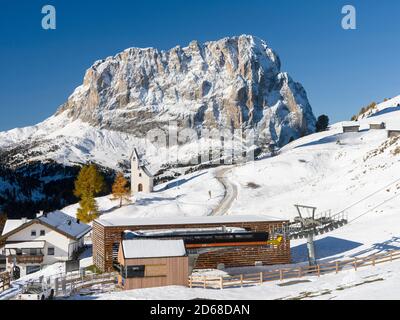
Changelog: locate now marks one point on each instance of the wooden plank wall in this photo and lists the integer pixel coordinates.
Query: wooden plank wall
(159, 272)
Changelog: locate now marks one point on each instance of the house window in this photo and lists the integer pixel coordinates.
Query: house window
(140, 174)
(32, 269)
(140, 187)
(33, 252)
(33, 233)
(134, 272)
(50, 251)
(42, 232)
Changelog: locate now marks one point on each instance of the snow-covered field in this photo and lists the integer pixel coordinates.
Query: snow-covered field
(355, 172)
(373, 283)
(185, 196)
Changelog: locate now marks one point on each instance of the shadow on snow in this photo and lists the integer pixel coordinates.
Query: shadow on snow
(324, 248)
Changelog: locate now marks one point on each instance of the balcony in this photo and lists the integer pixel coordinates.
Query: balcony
(26, 258)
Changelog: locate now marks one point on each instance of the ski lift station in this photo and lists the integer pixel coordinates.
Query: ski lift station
(152, 252)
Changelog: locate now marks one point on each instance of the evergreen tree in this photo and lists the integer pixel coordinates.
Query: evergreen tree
(120, 190)
(322, 123)
(88, 184)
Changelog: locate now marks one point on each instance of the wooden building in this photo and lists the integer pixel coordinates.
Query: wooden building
(351, 128)
(152, 263)
(107, 234)
(377, 126)
(393, 133)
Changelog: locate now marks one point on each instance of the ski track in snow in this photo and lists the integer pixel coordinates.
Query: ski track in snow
(230, 193)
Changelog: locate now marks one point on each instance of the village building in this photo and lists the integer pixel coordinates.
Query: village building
(393, 133)
(152, 263)
(28, 245)
(108, 233)
(377, 126)
(141, 178)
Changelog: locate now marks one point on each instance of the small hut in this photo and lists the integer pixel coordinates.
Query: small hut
(351, 128)
(152, 263)
(377, 126)
(393, 133)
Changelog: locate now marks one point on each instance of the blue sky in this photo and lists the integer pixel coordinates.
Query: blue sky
(341, 70)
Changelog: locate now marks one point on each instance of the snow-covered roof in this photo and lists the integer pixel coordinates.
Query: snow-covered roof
(146, 171)
(140, 163)
(12, 224)
(134, 249)
(350, 124)
(57, 220)
(160, 232)
(65, 223)
(109, 221)
(26, 245)
(377, 122)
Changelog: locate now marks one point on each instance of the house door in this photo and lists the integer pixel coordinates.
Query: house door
(16, 272)
(140, 187)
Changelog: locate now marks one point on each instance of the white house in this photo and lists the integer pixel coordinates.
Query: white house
(28, 245)
(141, 178)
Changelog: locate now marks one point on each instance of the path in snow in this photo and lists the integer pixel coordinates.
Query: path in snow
(230, 192)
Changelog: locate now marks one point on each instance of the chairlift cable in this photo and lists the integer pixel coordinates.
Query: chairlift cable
(377, 206)
(367, 197)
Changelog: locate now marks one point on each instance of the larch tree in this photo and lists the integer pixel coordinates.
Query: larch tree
(120, 191)
(88, 184)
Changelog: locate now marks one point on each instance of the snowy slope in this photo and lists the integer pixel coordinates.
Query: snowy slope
(186, 196)
(385, 107)
(334, 171)
(377, 283)
(329, 170)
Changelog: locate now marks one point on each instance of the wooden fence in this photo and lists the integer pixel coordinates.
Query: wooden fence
(290, 273)
(4, 281)
(66, 285)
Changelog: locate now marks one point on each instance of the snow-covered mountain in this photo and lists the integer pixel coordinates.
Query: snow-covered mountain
(232, 83)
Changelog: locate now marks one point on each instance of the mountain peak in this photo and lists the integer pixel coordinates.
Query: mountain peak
(231, 83)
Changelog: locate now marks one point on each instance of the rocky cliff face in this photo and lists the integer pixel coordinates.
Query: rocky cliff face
(231, 83)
